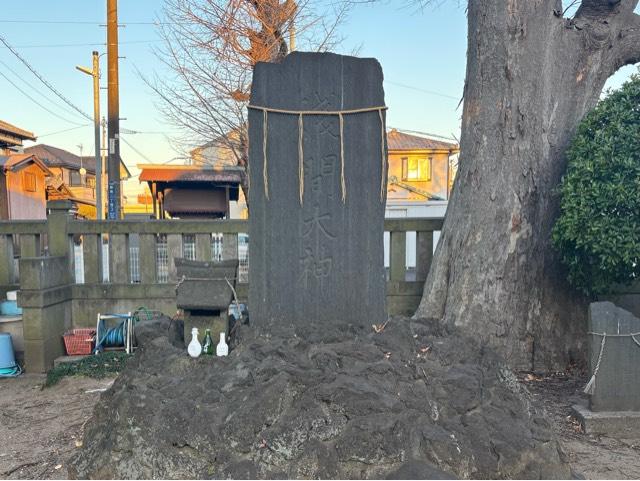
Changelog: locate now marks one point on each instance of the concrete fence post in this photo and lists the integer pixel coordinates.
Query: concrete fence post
(59, 214)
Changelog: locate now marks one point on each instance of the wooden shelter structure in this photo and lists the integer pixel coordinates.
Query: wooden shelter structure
(191, 191)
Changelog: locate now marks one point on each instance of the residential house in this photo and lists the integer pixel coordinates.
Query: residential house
(420, 174)
(419, 181)
(22, 177)
(223, 154)
(74, 177)
(217, 153)
(12, 138)
(22, 187)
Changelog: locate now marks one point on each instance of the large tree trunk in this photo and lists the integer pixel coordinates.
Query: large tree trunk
(531, 77)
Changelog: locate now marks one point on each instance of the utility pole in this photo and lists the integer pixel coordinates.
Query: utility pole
(95, 73)
(103, 151)
(113, 114)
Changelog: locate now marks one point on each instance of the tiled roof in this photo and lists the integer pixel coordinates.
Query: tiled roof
(400, 141)
(189, 173)
(8, 162)
(17, 131)
(55, 157)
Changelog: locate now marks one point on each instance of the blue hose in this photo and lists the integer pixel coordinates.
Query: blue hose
(113, 337)
(11, 371)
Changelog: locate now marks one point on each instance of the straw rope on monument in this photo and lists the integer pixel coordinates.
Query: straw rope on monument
(300, 114)
(591, 385)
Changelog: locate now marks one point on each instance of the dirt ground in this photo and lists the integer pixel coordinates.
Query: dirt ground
(40, 429)
(591, 457)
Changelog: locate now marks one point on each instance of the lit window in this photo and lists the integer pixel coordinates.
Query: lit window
(416, 168)
(30, 183)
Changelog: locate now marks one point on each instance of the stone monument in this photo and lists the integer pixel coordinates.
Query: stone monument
(317, 192)
(614, 350)
(614, 382)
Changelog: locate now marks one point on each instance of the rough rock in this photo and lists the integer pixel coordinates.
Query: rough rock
(409, 402)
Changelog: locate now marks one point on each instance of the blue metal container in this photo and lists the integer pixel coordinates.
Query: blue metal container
(7, 358)
(10, 308)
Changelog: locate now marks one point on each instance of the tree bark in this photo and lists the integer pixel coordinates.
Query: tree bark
(531, 77)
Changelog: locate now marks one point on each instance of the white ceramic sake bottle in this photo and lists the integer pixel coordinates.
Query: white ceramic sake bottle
(195, 348)
(222, 349)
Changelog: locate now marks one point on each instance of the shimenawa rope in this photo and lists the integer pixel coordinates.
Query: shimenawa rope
(300, 114)
(591, 385)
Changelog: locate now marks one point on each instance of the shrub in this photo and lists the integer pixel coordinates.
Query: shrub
(94, 366)
(598, 231)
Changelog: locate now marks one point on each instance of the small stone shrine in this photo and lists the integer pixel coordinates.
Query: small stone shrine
(204, 292)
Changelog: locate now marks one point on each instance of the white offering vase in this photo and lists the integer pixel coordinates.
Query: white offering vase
(195, 348)
(222, 349)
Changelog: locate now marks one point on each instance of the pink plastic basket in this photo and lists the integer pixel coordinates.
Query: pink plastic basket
(79, 341)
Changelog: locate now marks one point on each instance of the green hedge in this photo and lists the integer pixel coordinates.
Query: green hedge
(598, 231)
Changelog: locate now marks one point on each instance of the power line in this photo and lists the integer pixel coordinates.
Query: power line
(44, 81)
(95, 44)
(57, 106)
(87, 22)
(136, 150)
(62, 131)
(149, 132)
(430, 92)
(35, 101)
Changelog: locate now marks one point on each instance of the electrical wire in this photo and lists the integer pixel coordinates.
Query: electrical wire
(134, 132)
(95, 44)
(62, 131)
(136, 150)
(418, 89)
(57, 106)
(84, 22)
(44, 81)
(38, 103)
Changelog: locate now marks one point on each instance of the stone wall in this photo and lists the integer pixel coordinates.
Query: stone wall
(52, 302)
(627, 297)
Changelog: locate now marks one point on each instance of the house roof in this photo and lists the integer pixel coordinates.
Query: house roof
(14, 162)
(397, 140)
(12, 135)
(189, 173)
(56, 157)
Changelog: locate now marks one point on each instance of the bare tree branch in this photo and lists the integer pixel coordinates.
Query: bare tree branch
(211, 46)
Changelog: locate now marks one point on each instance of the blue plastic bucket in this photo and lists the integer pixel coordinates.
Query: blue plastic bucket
(7, 358)
(10, 308)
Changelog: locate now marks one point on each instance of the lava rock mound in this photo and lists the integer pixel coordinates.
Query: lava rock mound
(411, 401)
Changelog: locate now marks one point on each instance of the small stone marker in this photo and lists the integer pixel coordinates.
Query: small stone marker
(617, 381)
(317, 192)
